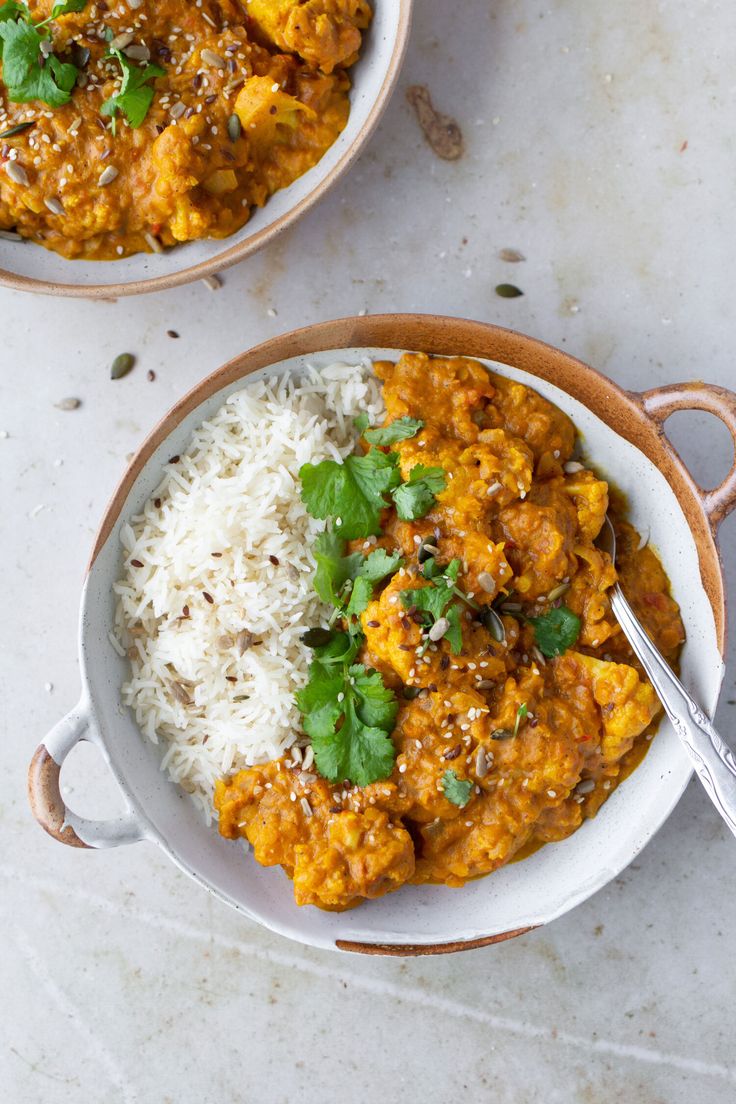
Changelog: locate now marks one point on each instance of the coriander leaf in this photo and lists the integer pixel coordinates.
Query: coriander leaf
(333, 567)
(416, 497)
(556, 631)
(379, 564)
(64, 7)
(24, 77)
(378, 705)
(431, 599)
(361, 423)
(457, 790)
(400, 430)
(348, 713)
(343, 648)
(454, 635)
(357, 752)
(521, 713)
(360, 596)
(351, 492)
(452, 570)
(135, 95)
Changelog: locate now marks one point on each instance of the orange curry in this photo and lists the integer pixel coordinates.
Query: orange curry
(522, 517)
(245, 98)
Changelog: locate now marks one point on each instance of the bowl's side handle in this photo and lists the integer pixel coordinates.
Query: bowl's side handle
(44, 794)
(659, 403)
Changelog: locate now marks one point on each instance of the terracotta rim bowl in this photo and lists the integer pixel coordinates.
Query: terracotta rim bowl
(29, 267)
(625, 432)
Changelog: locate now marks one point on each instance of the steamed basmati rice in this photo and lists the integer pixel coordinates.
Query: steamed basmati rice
(225, 511)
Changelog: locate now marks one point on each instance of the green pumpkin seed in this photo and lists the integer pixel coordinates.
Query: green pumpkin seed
(234, 128)
(121, 365)
(508, 291)
(12, 131)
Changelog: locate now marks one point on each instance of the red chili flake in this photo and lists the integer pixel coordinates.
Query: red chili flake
(208, 597)
(274, 560)
(583, 739)
(136, 563)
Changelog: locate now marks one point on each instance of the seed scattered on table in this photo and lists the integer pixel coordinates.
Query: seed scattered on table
(121, 365)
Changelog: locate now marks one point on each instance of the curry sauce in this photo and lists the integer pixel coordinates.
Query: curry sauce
(246, 98)
(537, 742)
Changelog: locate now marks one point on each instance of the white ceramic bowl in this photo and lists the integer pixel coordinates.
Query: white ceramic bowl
(623, 436)
(29, 267)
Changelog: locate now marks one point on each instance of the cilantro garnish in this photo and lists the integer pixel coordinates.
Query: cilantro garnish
(556, 631)
(135, 95)
(352, 492)
(400, 430)
(361, 423)
(416, 497)
(336, 571)
(457, 790)
(28, 74)
(348, 713)
(436, 601)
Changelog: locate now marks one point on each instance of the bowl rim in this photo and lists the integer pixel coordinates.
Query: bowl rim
(235, 253)
(447, 336)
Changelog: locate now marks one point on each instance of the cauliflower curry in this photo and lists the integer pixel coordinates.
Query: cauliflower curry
(495, 690)
(129, 128)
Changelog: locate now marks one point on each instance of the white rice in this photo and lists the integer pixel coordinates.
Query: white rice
(234, 491)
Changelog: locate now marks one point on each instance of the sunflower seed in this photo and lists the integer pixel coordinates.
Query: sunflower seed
(107, 176)
(54, 205)
(177, 109)
(209, 57)
(439, 628)
(10, 235)
(137, 52)
(122, 40)
(306, 807)
(214, 283)
(511, 256)
(16, 173)
(558, 591)
(481, 763)
(487, 582)
(68, 404)
(153, 242)
(585, 787)
(572, 466)
(180, 693)
(244, 641)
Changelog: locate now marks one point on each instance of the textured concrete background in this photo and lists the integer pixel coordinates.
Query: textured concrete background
(599, 142)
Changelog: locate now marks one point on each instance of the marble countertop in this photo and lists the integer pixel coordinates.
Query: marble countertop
(599, 142)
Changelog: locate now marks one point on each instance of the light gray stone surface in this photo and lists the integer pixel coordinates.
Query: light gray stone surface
(600, 143)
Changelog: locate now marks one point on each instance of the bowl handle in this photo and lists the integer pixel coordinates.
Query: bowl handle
(659, 403)
(44, 795)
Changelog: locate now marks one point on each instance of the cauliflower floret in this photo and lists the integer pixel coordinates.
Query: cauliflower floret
(627, 704)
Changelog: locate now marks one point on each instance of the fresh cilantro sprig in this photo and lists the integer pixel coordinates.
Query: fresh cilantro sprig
(437, 602)
(457, 790)
(415, 498)
(31, 71)
(354, 492)
(135, 95)
(400, 430)
(348, 713)
(338, 575)
(556, 631)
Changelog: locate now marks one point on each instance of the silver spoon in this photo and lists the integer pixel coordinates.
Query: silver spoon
(713, 761)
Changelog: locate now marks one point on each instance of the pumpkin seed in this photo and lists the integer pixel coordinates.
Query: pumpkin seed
(17, 129)
(234, 128)
(121, 365)
(79, 55)
(490, 619)
(508, 291)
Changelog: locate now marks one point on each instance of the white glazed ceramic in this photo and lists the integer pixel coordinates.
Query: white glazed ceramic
(425, 919)
(30, 267)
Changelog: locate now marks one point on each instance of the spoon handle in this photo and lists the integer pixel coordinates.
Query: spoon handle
(712, 759)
